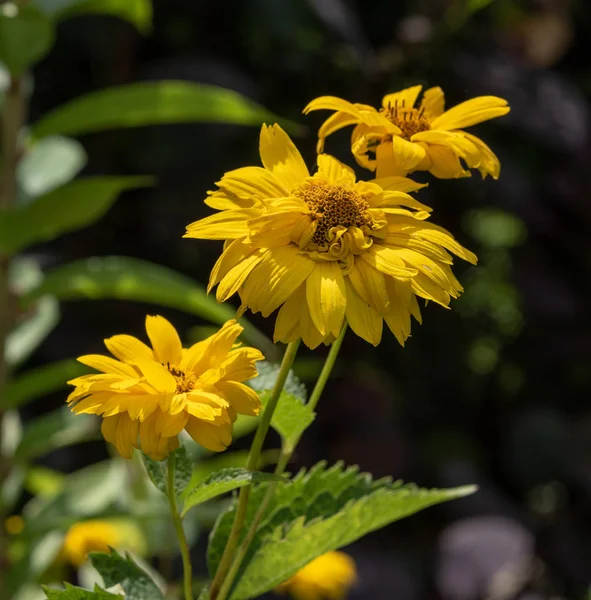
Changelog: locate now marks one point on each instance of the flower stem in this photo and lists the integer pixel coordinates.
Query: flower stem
(12, 118)
(251, 464)
(180, 533)
(286, 454)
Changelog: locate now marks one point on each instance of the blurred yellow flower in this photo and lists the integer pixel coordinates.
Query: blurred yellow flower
(14, 524)
(149, 395)
(328, 577)
(401, 138)
(325, 248)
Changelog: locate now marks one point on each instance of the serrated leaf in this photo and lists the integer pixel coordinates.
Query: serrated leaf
(76, 593)
(49, 163)
(152, 103)
(41, 381)
(320, 510)
(136, 12)
(137, 584)
(221, 482)
(70, 207)
(26, 35)
(55, 430)
(125, 278)
(158, 471)
(292, 415)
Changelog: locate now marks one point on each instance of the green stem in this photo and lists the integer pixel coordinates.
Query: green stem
(180, 532)
(286, 454)
(251, 464)
(12, 118)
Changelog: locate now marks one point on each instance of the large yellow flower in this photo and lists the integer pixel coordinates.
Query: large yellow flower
(149, 395)
(325, 248)
(328, 577)
(400, 138)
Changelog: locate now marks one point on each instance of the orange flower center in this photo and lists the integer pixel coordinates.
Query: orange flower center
(185, 382)
(408, 120)
(332, 205)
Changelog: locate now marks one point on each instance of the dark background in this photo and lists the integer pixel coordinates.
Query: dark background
(495, 391)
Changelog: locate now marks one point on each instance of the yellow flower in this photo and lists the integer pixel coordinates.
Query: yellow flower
(99, 536)
(148, 395)
(402, 138)
(325, 248)
(328, 577)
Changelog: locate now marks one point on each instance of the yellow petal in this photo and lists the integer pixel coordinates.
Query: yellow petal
(334, 169)
(424, 287)
(240, 364)
(425, 265)
(242, 398)
(390, 198)
(234, 253)
(489, 163)
(228, 224)
(128, 348)
(369, 284)
(363, 319)
(443, 238)
(445, 163)
(457, 141)
(157, 376)
(165, 340)
(471, 112)
(433, 103)
(202, 406)
(141, 406)
(407, 155)
(126, 435)
(332, 103)
(399, 184)
(387, 261)
(171, 425)
(287, 328)
(275, 278)
(236, 276)
(387, 164)
(106, 364)
(326, 296)
(334, 123)
(253, 182)
(213, 350)
(275, 228)
(405, 98)
(152, 443)
(433, 251)
(209, 436)
(280, 156)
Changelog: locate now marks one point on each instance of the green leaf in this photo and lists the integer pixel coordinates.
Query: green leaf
(136, 12)
(55, 430)
(320, 510)
(49, 163)
(26, 36)
(158, 471)
(76, 593)
(222, 482)
(115, 569)
(126, 278)
(65, 209)
(39, 382)
(152, 103)
(292, 415)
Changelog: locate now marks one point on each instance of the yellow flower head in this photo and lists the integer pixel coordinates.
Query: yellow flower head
(328, 577)
(148, 395)
(401, 138)
(325, 248)
(89, 536)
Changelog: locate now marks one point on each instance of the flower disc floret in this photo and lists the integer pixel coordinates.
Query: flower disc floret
(401, 137)
(148, 395)
(325, 248)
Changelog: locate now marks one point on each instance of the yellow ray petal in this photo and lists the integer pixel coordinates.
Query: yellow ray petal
(433, 103)
(445, 163)
(405, 98)
(334, 169)
(369, 284)
(387, 261)
(363, 319)
(326, 296)
(242, 398)
(128, 348)
(286, 325)
(236, 277)
(471, 112)
(425, 265)
(213, 350)
(157, 376)
(249, 182)
(399, 184)
(209, 436)
(334, 123)
(228, 224)
(390, 198)
(126, 435)
(489, 163)
(280, 156)
(332, 103)
(165, 340)
(234, 253)
(425, 288)
(456, 141)
(441, 237)
(274, 229)
(240, 364)
(106, 364)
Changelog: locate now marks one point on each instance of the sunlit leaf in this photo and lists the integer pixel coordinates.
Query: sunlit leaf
(158, 471)
(50, 162)
(70, 207)
(76, 593)
(127, 278)
(26, 35)
(150, 103)
(318, 511)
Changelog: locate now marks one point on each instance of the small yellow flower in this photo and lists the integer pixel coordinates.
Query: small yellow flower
(100, 535)
(325, 248)
(401, 138)
(328, 577)
(149, 395)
